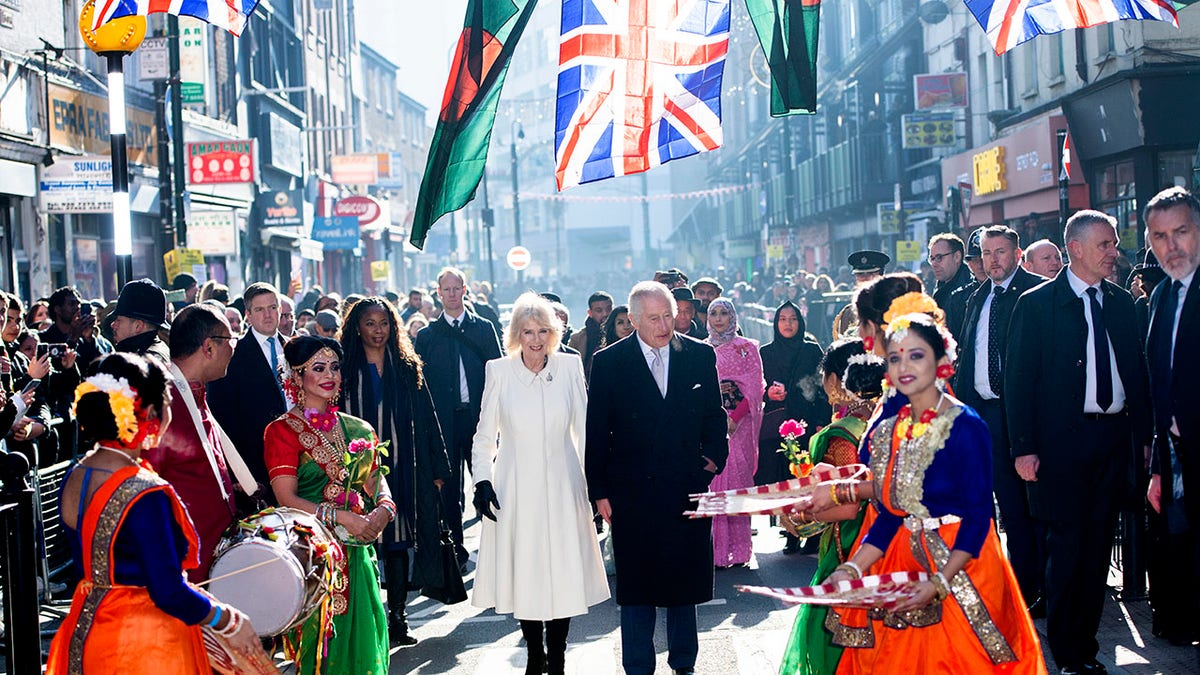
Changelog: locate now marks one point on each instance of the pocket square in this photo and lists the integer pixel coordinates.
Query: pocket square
(696, 386)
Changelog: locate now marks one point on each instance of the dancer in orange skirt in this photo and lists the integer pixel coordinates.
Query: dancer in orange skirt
(931, 468)
(133, 612)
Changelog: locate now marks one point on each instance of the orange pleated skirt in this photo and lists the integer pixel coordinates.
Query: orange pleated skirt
(952, 645)
(129, 636)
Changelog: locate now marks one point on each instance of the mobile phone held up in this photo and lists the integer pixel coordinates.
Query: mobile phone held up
(56, 350)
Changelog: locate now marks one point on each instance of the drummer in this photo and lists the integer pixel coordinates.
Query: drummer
(191, 455)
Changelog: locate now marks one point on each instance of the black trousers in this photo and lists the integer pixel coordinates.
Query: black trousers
(452, 493)
(1025, 536)
(1079, 541)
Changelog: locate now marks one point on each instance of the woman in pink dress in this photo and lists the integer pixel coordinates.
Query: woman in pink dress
(740, 370)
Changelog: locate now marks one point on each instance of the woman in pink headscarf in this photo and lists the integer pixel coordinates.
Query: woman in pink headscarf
(739, 367)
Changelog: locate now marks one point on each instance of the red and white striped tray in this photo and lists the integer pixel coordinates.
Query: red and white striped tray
(789, 496)
(884, 591)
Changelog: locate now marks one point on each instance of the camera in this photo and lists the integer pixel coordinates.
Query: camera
(56, 350)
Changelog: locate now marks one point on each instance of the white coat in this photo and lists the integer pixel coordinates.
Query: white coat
(540, 560)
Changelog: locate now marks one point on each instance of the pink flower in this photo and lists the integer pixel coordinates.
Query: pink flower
(791, 428)
(358, 445)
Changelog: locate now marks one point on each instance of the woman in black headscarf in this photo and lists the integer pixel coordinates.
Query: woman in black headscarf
(791, 368)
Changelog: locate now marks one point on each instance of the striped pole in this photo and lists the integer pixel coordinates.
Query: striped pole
(122, 226)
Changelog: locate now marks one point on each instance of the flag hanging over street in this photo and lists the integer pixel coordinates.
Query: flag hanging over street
(228, 14)
(639, 84)
(787, 31)
(1008, 23)
(458, 151)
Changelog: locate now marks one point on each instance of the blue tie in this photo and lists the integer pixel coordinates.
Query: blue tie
(275, 368)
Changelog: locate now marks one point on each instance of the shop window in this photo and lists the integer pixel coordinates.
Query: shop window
(1115, 181)
(1175, 168)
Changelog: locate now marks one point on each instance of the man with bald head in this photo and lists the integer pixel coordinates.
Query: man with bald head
(1043, 258)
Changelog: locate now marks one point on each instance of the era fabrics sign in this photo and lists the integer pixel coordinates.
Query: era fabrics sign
(220, 162)
(364, 208)
(79, 122)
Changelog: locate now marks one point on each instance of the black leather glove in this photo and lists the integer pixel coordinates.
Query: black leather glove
(485, 499)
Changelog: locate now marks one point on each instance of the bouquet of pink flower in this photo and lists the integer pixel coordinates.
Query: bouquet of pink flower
(797, 454)
(362, 460)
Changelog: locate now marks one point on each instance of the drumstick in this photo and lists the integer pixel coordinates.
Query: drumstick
(244, 569)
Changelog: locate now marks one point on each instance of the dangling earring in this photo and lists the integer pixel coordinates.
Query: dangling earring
(869, 344)
(945, 372)
(336, 395)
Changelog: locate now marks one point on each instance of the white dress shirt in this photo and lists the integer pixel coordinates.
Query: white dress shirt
(464, 392)
(664, 354)
(982, 328)
(266, 350)
(1080, 287)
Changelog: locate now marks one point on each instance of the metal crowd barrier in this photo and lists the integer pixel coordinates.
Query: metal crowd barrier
(18, 568)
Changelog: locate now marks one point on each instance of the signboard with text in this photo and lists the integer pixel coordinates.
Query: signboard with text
(77, 185)
(220, 162)
(79, 122)
(929, 130)
(355, 169)
(337, 233)
(282, 208)
(213, 232)
(889, 221)
(193, 60)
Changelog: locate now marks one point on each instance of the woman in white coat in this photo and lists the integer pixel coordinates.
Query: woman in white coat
(538, 555)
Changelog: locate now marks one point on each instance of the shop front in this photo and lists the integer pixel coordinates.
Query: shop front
(1134, 136)
(1013, 181)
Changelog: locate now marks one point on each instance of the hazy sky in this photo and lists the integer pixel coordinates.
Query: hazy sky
(419, 36)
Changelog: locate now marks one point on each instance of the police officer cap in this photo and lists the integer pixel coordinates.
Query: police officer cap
(868, 262)
(973, 248)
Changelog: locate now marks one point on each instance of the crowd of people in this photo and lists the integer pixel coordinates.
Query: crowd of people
(1054, 392)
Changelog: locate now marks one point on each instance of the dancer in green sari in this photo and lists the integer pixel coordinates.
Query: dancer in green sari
(852, 381)
(328, 464)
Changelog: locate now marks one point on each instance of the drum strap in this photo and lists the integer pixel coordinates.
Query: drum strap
(237, 466)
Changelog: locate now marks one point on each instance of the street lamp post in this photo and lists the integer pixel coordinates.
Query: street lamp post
(113, 41)
(516, 133)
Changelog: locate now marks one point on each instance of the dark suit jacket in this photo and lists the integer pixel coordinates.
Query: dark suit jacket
(645, 454)
(440, 351)
(1045, 378)
(954, 305)
(1185, 395)
(244, 402)
(964, 380)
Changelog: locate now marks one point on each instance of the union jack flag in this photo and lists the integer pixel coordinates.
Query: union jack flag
(639, 84)
(228, 14)
(1008, 23)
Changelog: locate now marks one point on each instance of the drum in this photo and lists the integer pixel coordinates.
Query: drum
(277, 568)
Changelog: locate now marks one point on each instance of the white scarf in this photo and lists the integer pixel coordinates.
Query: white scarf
(233, 460)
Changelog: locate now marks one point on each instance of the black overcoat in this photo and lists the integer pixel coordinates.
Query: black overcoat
(1185, 395)
(440, 351)
(645, 454)
(244, 402)
(1045, 378)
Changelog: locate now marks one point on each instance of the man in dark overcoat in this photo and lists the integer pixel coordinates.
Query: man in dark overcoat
(1173, 233)
(641, 466)
(454, 350)
(251, 395)
(1076, 404)
(980, 384)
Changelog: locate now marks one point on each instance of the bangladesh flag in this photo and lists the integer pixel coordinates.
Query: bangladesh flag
(458, 152)
(787, 31)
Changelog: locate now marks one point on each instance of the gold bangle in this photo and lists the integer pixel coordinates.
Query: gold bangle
(833, 494)
(850, 568)
(941, 584)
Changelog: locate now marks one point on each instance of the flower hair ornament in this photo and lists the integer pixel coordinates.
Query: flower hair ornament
(124, 402)
(898, 329)
(913, 303)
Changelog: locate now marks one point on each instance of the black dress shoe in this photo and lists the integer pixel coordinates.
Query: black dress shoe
(1094, 667)
(684, 671)
(398, 631)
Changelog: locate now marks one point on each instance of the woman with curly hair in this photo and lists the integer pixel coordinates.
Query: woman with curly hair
(383, 384)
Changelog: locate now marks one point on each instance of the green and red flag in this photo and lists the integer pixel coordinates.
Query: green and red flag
(458, 152)
(787, 31)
